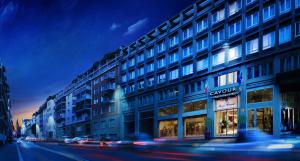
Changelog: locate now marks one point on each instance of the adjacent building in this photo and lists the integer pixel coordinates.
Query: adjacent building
(105, 119)
(220, 66)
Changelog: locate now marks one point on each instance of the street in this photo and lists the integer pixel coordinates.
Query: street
(29, 151)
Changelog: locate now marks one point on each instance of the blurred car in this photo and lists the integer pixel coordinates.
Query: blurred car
(19, 141)
(67, 140)
(252, 140)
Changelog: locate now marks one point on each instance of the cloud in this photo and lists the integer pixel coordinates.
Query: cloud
(136, 26)
(114, 26)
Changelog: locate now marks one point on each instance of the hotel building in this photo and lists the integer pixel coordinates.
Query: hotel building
(220, 65)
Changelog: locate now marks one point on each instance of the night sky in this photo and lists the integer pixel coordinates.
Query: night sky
(44, 44)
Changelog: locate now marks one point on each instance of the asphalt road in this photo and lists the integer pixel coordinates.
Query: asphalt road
(28, 151)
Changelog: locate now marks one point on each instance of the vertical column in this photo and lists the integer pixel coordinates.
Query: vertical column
(155, 116)
(180, 111)
(136, 121)
(277, 102)
(242, 104)
(210, 108)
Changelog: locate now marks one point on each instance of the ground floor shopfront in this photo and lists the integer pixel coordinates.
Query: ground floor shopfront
(267, 108)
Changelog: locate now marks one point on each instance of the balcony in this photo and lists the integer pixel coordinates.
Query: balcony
(109, 76)
(60, 117)
(82, 107)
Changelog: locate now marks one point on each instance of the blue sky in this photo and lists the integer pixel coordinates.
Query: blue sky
(46, 43)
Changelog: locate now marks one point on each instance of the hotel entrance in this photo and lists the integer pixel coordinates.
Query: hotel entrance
(226, 116)
(290, 112)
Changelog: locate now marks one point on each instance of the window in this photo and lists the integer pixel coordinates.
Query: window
(202, 44)
(140, 71)
(173, 57)
(261, 95)
(297, 5)
(249, 1)
(150, 53)
(194, 106)
(187, 69)
(150, 67)
(168, 128)
(235, 52)
(220, 80)
(284, 6)
(252, 46)
(161, 78)
(297, 28)
(235, 28)
(226, 79)
(187, 33)
(168, 111)
(252, 20)
(173, 74)
(124, 66)
(174, 40)
(112, 123)
(187, 51)
(269, 12)
(232, 77)
(234, 7)
(161, 62)
(150, 81)
(202, 64)
(132, 75)
(140, 58)
(269, 40)
(131, 62)
(131, 88)
(161, 47)
(218, 58)
(258, 70)
(284, 34)
(194, 126)
(218, 36)
(202, 24)
(218, 16)
(141, 84)
(124, 78)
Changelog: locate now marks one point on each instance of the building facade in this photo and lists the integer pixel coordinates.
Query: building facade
(218, 66)
(6, 125)
(60, 114)
(105, 119)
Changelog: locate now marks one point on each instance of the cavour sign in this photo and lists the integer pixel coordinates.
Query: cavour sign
(226, 91)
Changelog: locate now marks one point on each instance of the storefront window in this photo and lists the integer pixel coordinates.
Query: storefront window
(168, 111)
(260, 95)
(226, 122)
(194, 126)
(251, 118)
(168, 128)
(194, 106)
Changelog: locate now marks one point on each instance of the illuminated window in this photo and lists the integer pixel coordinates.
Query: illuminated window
(234, 52)
(260, 95)
(218, 58)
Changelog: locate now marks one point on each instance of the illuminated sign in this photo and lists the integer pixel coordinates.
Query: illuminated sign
(226, 91)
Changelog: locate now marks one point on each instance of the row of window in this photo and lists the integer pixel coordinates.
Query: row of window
(252, 20)
(235, 52)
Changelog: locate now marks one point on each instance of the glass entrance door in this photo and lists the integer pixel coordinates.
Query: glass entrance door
(226, 122)
(262, 119)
